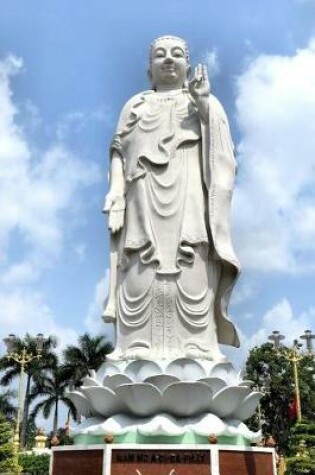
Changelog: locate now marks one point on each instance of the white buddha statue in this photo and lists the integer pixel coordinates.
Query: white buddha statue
(171, 180)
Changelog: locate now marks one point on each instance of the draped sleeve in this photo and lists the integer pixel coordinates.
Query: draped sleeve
(128, 119)
(219, 168)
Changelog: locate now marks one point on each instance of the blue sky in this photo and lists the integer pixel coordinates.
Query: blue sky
(66, 68)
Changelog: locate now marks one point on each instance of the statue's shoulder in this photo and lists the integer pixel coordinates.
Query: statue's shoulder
(133, 105)
(137, 99)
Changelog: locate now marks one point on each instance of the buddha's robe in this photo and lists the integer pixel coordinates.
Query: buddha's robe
(176, 263)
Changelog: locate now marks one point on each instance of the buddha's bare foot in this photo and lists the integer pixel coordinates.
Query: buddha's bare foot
(138, 354)
(115, 356)
(197, 354)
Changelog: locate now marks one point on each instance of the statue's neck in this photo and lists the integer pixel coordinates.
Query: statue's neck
(169, 92)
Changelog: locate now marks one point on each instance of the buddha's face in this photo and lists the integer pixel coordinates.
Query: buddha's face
(169, 66)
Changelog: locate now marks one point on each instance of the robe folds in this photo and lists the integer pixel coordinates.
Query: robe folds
(176, 266)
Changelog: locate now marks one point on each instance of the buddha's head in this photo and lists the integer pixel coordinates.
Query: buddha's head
(169, 63)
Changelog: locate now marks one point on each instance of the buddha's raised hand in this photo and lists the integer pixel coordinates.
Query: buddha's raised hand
(199, 88)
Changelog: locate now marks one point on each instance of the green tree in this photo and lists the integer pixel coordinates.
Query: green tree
(6, 406)
(51, 387)
(306, 369)
(302, 447)
(33, 370)
(90, 353)
(31, 432)
(34, 464)
(265, 365)
(8, 461)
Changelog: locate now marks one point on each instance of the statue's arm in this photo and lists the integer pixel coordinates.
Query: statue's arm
(115, 201)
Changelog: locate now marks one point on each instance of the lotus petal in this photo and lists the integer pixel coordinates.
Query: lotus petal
(119, 424)
(140, 370)
(137, 388)
(185, 369)
(186, 399)
(216, 384)
(248, 407)
(88, 381)
(246, 383)
(103, 400)
(224, 371)
(86, 426)
(141, 399)
(81, 403)
(236, 427)
(163, 424)
(207, 424)
(92, 373)
(240, 376)
(161, 381)
(112, 382)
(107, 369)
(227, 400)
(166, 424)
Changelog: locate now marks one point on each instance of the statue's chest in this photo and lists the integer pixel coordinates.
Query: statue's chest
(171, 118)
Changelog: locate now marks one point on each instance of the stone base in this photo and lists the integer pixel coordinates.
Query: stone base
(162, 460)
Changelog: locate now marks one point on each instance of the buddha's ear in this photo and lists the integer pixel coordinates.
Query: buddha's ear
(186, 82)
(149, 73)
(188, 71)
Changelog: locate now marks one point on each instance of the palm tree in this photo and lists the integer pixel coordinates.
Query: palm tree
(89, 354)
(51, 387)
(6, 406)
(33, 370)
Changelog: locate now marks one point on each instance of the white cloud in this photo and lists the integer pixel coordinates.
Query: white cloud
(24, 272)
(274, 204)
(244, 291)
(35, 191)
(40, 195)
(212, 62)
(80, 251)
(24, 311)
(281, 317)
(78, 120)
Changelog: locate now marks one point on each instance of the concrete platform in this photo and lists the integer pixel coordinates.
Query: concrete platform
(132, 459)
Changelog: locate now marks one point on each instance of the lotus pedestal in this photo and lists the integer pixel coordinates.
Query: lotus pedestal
(162, 460)
(159, 417)
(183, 399)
